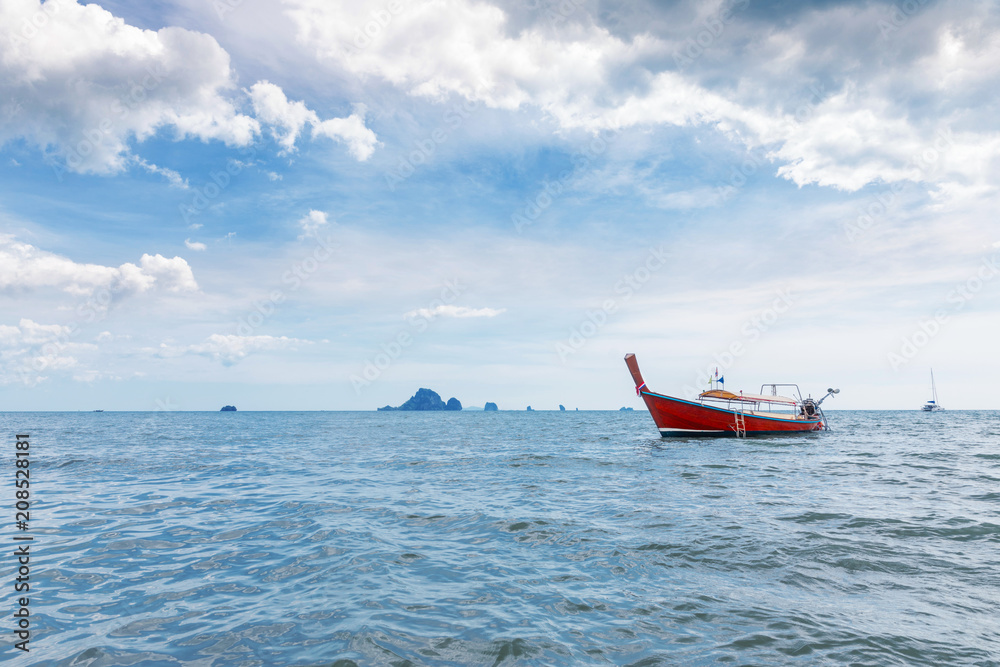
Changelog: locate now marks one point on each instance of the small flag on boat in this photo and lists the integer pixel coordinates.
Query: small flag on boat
(722, 380)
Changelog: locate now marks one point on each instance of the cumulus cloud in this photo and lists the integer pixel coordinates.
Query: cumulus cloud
(81, 84)
(24, 267)
(454, 311)
(285, 118)
(29, 350)
(232, 349)
(312, 222)
(361, 142)
(436, 48)
(84, 83)
(756, 80)
(288, 119)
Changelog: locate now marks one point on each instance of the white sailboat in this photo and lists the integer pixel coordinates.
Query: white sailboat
(932, 405)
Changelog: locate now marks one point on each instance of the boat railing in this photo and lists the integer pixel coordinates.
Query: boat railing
(774, 388)
(753, 405)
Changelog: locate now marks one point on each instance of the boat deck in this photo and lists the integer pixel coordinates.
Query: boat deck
(775, 415)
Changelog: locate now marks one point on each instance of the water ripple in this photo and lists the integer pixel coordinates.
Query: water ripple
(487, 539)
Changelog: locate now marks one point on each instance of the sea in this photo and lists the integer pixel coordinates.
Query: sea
(493, 538)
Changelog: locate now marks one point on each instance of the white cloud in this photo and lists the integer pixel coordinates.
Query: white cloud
(361, 142)
(23, 266)
(172, 176)
(312, 222)
(173, 275)
(437, 47)
(454, 311)
(30, 349)
(195, 245)
(288, 119)
(90, 376)
(85, 83)
(860, 133)
(285, 118)
(232, 349)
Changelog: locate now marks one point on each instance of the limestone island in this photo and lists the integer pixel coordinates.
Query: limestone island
(490, 407)
(425, 399)
(228, 408)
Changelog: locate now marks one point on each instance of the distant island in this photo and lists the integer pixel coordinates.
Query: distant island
(426, 400)
(625, 409)
(562, 408)
(490, 407)
(228, 408)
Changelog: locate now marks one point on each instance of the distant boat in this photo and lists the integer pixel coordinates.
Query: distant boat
(719, 413)
(932, 405)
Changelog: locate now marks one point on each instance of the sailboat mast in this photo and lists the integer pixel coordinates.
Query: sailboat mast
(933, 388)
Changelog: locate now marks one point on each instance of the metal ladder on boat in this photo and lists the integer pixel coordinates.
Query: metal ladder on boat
(741, 425)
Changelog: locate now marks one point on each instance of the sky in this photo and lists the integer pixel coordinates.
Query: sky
(322, 205)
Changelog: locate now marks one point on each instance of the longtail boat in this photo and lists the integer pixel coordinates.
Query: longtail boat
(721, 413)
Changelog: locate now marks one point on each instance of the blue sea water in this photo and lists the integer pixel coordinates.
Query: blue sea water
(543, 538)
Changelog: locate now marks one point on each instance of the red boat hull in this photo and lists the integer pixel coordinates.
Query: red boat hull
(676, 417)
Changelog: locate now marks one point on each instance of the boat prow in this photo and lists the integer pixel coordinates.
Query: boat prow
(721, 413)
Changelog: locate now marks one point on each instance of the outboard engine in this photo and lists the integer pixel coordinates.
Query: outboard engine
(810, 406)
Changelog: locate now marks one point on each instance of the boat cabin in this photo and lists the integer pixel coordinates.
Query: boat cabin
(764, 404)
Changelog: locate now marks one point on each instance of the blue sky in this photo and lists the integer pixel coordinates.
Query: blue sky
(321, 205)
